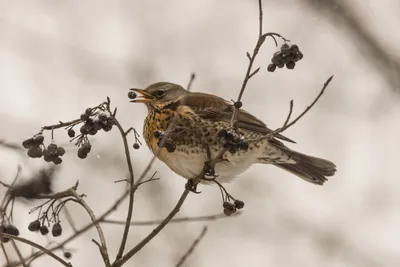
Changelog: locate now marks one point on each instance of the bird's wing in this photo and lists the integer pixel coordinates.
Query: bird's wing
(214, 108)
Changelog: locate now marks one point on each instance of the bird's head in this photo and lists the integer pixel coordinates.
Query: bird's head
(159, 95)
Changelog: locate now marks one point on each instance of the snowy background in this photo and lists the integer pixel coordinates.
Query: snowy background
(59, 57)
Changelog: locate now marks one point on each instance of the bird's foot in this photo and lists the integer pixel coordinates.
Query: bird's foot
(192, 187)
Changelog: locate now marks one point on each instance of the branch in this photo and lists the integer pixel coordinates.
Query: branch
(35, 245)
(213, 217)
(286, 125)
(192, 247)
(103, 246)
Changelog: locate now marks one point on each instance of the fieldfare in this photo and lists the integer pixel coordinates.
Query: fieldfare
(198, 118)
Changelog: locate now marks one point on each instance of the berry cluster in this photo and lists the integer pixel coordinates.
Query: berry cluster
(91, 125)
(230, 208)
(36, 226)
(8, 229)
(84, 150)
(232, 141)
(288, 55)
(36, 149)
(168, 144)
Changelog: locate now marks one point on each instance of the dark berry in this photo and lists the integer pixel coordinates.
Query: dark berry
(52, 149)
(136, 146)
(38, 139)
(84, 117)
(35, 152)
(49, 158)
(34, 226)
(102, 117)
(88, 111)
(67, 255)
(57, 161)
(299, 55)
(60, 151)
(271, 67)
(85, 129)
(157, 134)
(71, 133)
(132, 95)
(28, 143)
(97, 125)
(294, 48)
(82, 154)
(11, 230)
(232, 150)
(110, 121)
(56, 230)
(290, 65)
(222, 133)
(92, 131)
(229, 136)
(280, 65)
(106, 128)
(285, 49)
(170, 147)
(239, 204)
(275, 61)
(227, 205)
(86, 147)
(44, 230)
(277, 56)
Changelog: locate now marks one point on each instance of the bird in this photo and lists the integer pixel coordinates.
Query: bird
(197, 119)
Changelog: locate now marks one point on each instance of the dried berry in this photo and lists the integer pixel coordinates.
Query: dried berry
(81, 153)
(38, 139)
(132, 95)
(57, 161)
(299, 55)
(52, 149)
(222, 133)
(11, 230)
(44, 230)
(92, 131)
(34, 226)
(35, 152)
(158, 134)
(294, 48)
(229, 208)
(86, 147)
(28, 143)
(102, 117)
(71, 133)
(106, 128)
(50, 158)
(56, 230)
(88, 112)
(229, 136)
(60, 151)
(285, 49)
(67, 255)
(85, 129)
(239, 204)
(280, 65)
(97, 125)
(277, 56)
(136, 146)
(290, 65)
(271, 67)
(110, 121)
(84, 117)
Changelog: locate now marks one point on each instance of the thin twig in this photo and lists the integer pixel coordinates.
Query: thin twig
(286, 125)
(132, 189)
(192, 247)
(35, 245)
(5, 253)
(60, 125)
(103, 247)
(79, 232)
(18, 253)
(175, 220)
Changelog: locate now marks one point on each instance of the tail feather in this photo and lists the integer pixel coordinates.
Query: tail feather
(311, 169)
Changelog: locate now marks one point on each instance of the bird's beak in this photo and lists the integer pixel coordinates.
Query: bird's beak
(144, 97)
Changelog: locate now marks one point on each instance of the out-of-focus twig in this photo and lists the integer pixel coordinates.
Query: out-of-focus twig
(192, 247)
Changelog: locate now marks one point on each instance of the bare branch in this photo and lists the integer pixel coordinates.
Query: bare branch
(35, 245)
(213, 217)
(192, 247)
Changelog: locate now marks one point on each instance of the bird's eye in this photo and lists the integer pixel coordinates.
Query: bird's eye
(160, 93)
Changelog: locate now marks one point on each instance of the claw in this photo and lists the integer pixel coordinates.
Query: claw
(192, 187)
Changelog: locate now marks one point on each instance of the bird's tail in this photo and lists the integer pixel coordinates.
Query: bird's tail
(311, 169)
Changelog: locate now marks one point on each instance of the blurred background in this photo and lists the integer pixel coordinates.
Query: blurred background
(59, 57)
